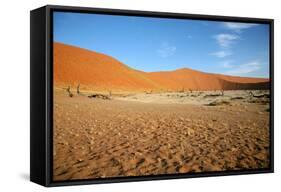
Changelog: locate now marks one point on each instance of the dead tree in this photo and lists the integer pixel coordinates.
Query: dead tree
(251, 94)
(222, 90)
(258, 96)
(78, 89)
(100, 96)
(69, 92)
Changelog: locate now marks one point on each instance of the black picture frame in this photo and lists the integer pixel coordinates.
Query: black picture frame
(41, 83)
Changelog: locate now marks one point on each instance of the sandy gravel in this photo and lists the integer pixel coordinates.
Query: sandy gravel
(96, 138)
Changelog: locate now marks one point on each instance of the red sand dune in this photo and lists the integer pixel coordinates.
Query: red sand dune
(73, 65)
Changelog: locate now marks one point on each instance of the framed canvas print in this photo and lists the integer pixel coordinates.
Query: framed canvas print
(119, 95)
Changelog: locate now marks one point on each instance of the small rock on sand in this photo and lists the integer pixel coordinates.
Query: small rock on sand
(190, 131)
(259, 156)
(184, 169)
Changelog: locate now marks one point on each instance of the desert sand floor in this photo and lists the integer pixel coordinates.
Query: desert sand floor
(96, 138)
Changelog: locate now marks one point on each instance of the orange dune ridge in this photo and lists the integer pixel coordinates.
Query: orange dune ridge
(74, 65)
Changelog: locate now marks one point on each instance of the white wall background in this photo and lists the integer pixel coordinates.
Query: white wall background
(14, 94)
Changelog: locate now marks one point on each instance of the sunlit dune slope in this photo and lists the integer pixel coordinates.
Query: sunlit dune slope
(73, 65)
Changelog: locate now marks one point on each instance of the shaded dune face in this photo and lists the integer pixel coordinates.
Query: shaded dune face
(73, 65)
(231, 85)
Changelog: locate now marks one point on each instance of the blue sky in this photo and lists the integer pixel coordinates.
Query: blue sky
(160, 44)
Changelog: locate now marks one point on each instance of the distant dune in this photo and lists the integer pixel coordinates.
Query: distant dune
(73, 65)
